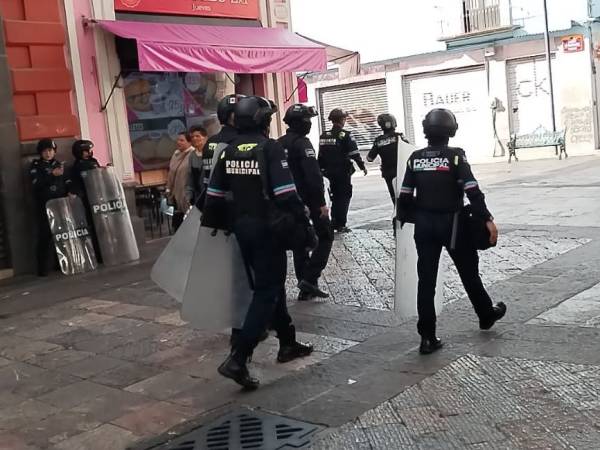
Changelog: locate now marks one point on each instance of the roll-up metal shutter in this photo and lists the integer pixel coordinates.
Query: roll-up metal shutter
(462, 91)
(363, 101)
(529, 95)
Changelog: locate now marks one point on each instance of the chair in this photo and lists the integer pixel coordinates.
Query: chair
(168, 211)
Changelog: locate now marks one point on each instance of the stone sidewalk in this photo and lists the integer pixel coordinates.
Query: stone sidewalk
(117, 367)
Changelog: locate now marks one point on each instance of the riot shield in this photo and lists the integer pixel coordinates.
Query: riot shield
(71, 235)
(111, 216)
(405, 298)
(173, 266)
(218, 292)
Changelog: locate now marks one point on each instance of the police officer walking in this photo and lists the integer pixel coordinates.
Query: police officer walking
(48, 179)
(307, 175)
(441, 176)
(84, 161)
(201, 165)
(337, 148)
(386, 147)
(238, 172)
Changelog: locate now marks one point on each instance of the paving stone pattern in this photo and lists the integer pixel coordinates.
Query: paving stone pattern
(99, 374)
(482, 402)
(361, 268)
(582, 310)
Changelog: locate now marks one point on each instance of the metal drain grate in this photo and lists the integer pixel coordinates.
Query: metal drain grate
(246, 430)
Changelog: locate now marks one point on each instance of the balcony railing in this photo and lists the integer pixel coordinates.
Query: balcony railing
(481, 15)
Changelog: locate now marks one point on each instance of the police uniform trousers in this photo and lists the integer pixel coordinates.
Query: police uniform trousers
(309, 266)
(268, 263)
(45, 243)
(433, 231)
(340, 185)
(389, 181)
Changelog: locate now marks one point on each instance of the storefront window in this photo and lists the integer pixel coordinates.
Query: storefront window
(162, 105)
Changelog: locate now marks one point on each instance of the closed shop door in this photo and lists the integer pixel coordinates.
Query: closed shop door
(465, 94)
(529, 95)
(363, 101)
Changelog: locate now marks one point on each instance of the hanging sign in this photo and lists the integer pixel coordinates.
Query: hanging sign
(573, 44)
(237, 9)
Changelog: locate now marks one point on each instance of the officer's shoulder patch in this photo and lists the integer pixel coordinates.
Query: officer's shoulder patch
(246, 147)
(212, 146)
(284, 163)
(342, 134)
(310, 152)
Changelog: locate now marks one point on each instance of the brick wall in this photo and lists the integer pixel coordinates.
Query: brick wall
(41, 81)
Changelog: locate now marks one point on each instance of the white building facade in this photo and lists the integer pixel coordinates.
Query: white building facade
(494, 76)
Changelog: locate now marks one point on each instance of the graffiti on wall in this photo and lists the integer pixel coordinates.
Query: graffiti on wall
(578, 122)
(458, 102)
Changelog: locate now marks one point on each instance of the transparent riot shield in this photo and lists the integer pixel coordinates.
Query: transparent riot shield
(71, 235)
(174, 265)
(218, 293)
(405, 298)
(111, 217)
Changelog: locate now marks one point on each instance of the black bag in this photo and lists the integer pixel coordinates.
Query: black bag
(291, 231)
(474, 229)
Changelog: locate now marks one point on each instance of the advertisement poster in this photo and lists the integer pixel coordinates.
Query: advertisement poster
(162, 105)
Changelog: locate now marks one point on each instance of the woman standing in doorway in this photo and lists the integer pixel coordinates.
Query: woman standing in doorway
(177, 179)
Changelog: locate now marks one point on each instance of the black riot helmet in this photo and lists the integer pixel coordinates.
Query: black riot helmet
(387, 122)
(337, 114)
(440, 123)
(81, 146)
(253, 113)
(298, 118)
(45, 144)
(226, 107)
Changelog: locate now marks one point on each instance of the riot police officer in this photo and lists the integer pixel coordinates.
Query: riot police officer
(48, 179)
(386, 147)
(441, 177)
(305, 169)
(200, 167)
(337, 148)
(84, 161)
(238, 174)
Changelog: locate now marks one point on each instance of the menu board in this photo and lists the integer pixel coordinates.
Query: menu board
(162, 105)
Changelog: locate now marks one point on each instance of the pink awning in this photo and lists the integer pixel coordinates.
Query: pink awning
(164, 47)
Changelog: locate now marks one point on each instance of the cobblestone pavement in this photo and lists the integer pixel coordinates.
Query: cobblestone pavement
(360, 272)
(105, 372)
(102, 361)
(478, 402)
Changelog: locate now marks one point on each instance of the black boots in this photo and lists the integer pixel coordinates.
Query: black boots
(304, 296)
(430, 345)
(290, 348)
(235, 369)
(498, 313)
(311, 290)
